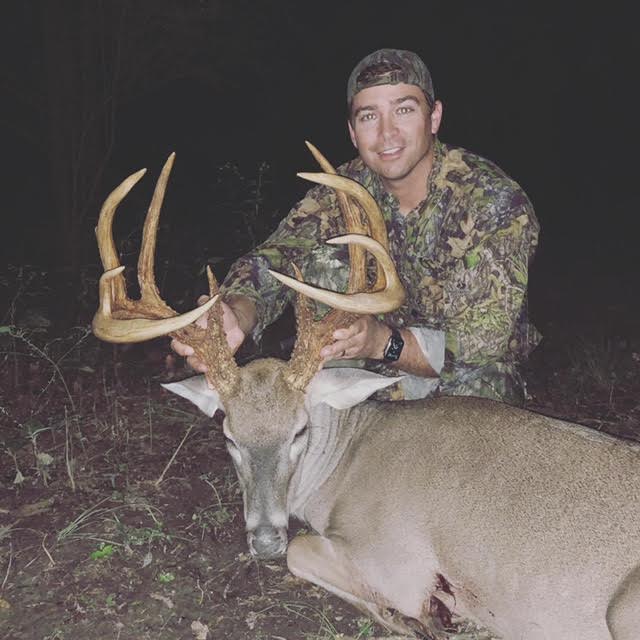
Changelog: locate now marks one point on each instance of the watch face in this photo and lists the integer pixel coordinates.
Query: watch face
(394, 347)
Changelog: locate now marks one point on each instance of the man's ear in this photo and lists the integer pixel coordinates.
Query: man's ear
(436, 117)
(352, 134)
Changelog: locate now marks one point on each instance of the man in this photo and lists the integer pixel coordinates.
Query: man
(461, 232)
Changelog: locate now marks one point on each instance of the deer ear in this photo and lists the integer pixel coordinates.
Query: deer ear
(343, 387)
(198, 391)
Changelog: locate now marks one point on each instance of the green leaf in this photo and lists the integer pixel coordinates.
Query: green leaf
(471, 259)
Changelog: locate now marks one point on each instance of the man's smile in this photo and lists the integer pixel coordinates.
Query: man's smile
(390, 152)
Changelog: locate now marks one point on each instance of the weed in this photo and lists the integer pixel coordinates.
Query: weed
(212, 519)
(42, 460)
(365, 628)
(140, 536)
(166, 577)
(47, 353)
(72, 530)
(103, 551)
(326, 630)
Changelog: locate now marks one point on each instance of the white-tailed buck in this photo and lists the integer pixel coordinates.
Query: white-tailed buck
(424, 512)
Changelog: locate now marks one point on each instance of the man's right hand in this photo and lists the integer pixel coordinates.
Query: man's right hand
(231, 324)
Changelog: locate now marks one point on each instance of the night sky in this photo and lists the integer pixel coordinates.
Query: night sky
(546, 93)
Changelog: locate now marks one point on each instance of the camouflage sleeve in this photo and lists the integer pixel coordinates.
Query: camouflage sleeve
(484, 297)
(299, 239)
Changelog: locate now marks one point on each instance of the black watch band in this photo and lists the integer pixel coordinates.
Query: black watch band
(394, 347)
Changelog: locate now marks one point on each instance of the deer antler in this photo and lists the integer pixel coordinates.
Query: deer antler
(120, 319)
(386, 294)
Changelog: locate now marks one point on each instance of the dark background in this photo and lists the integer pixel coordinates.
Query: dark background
(92, 91)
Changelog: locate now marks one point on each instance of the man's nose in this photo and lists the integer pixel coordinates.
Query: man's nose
(387, 125)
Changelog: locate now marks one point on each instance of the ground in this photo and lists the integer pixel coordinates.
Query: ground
(120, 513)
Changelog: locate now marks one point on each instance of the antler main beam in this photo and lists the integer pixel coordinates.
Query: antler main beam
(137, 329)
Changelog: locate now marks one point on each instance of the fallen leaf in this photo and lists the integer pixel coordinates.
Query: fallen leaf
(201, 631)
(166, 601)
(34, 508)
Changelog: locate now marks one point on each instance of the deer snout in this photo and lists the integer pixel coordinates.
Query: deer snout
(267, 542)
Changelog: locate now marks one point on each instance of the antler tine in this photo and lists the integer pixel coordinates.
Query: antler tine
(146, 274)
(118, 318)
(104, 236)
(353, 222)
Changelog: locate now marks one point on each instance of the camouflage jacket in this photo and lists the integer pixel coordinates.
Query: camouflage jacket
(463, 255)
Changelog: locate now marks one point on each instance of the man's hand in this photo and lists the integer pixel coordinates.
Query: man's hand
(231, 324)
(365, 338)
(368, 338)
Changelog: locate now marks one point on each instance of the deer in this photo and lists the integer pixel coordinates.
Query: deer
(422, 513)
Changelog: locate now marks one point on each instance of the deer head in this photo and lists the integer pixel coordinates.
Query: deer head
(267, 403)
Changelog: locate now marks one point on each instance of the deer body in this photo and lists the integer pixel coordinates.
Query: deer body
(527, 525)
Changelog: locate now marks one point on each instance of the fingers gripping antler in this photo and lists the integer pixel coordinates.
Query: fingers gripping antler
(120, 319)
(210, 346)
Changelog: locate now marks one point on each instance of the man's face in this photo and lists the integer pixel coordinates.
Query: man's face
(393, 129)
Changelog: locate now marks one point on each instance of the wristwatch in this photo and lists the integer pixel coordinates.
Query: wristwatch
(394, 347)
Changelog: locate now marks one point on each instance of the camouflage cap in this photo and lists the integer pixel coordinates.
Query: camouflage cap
(390, 66)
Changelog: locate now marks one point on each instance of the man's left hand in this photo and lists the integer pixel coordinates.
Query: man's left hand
(365, 338)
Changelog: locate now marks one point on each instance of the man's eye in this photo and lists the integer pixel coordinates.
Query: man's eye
(403, 110)
(366, 117)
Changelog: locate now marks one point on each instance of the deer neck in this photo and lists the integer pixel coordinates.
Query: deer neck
(331, 432)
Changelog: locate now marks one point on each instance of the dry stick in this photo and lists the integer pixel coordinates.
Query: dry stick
(6, 575)
(51, 560)
(201, 591)
(150, 419)
(173, 457)
(67, 447)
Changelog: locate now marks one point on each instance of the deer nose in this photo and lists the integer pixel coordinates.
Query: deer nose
(267, 542)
